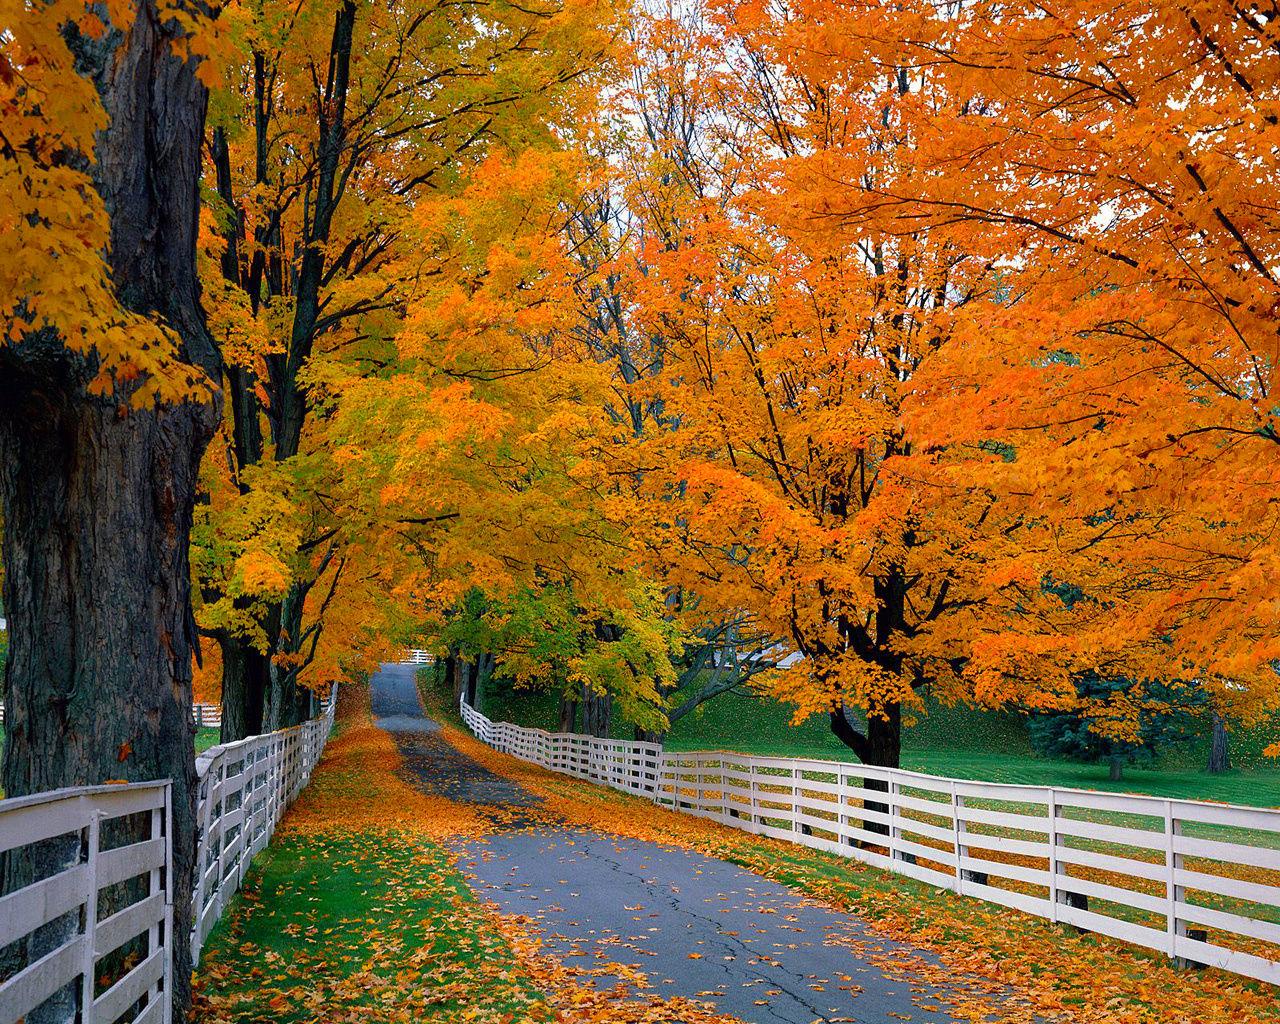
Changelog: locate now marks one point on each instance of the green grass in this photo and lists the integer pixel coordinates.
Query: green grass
(367, 926)
(960, 742)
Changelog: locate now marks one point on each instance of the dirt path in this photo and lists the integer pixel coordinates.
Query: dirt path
(693, 925)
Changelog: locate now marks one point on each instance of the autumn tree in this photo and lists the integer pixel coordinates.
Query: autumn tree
(1118, 155)
(782, 484)
(332, 132)
(656, 115)
(108, 385)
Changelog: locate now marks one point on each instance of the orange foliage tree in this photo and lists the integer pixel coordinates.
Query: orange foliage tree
(1025, 267)
(779, 480)
(1117, 156)
(478, 448)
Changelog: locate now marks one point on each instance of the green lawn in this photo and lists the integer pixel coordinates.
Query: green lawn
(360, 926)
(960, 742)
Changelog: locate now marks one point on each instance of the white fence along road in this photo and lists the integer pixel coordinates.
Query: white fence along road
(244, 788)
(1198, 881)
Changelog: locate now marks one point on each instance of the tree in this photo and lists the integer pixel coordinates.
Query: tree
(481, 448)
(782, 482)
(1219, 751)
(593, 658)
(1090, 732)
(1113, 154)
(332, 132)
(108, 384)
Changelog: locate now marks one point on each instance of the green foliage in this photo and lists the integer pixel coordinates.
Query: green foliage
(1081, 735)
(545, 638)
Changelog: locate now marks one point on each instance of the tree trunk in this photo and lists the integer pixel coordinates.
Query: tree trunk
(1219, 752)
(1116, 768)
(466, 675)
(568, 714)
(880, 745)
(597, 713)
(459, 678)
(97, 511)
(98, 498)
(245, 678)
(286, 702)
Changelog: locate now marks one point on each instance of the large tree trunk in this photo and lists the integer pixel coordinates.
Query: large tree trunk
(880, 744)
(98, 499)
(287, 702)
(1219, 751)
(245, 677)
(597, 713)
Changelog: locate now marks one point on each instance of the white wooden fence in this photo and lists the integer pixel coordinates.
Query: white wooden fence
(93, 858)
(1197, 881)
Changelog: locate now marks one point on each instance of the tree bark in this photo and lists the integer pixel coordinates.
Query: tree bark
(286, 701)
(568, 714)
(597, 713)
(98, 499)
(880, 745)
(245, 677)
(1219, 751)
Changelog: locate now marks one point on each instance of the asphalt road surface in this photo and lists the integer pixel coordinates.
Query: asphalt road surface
(695, 926)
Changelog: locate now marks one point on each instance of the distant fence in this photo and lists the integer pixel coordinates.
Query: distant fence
(1197, 881)
(110, 846)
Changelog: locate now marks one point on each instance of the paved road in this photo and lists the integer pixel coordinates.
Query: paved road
(695, 926)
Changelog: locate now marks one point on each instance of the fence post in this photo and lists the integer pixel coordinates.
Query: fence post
(957, 825)
(796, 828)
(202, 857)
(1174, 891)
(1053, 855)
(895, 833)
(164, 822)
(755, 800)
(89, 959)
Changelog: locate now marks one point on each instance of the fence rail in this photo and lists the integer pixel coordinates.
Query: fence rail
(94, 907)
(1197, 881)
